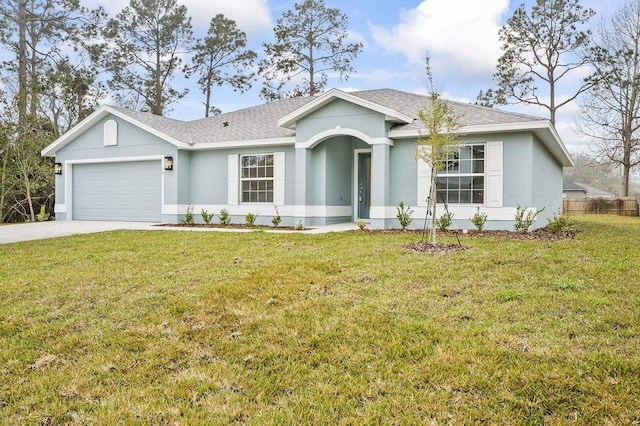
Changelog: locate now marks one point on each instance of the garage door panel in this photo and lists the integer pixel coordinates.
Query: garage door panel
(130, 191)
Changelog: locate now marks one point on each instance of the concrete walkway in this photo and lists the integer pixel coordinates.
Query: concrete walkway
(42, 230)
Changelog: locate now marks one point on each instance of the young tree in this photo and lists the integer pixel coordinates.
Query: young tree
(439, 140)
(311, 41)
(541, 48)
(610, 113)
(148, 37)
(221, 58)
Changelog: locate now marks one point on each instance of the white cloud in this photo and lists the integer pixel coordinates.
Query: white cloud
(251, 16)
(461, 35)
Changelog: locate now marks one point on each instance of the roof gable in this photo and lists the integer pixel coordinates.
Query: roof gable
(289, 120)
(148, 122)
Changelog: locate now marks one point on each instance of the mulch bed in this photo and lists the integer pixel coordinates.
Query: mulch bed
(437, 248)
(541, 234)
(233, 226)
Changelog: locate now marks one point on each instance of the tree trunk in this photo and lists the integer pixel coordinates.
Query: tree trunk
(27, 190)
(626, 169)
(434, 201)
(22, 69)
(208, 97)
(3, 183)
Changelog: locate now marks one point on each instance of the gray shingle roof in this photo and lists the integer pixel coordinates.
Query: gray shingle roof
(567, 185)
(261, 122)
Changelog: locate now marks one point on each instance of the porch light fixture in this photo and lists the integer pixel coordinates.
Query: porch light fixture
(168, 162)
(57, 168)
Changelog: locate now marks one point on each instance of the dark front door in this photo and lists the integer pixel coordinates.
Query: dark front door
(364, 185)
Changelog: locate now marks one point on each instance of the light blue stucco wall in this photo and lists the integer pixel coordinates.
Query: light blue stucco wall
(133, 142)
(343, 114)
(547, 183)
(403, 185)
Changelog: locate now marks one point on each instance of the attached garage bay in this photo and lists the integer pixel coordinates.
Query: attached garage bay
(126, 191)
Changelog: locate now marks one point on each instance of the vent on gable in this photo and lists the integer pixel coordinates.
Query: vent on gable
(110, 133)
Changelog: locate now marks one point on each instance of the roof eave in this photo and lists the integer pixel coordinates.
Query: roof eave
(243, 143)
(97, 115)
(542, 128)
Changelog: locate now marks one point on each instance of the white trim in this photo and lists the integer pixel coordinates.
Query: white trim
(493, 184)
(465, 212)
(390, 114)
(253, 143)
(278, 178)
(460, 212)
(116, 159)
(383, 212)
(263, 209)
(424, 179)
(354, 197)
(233, 179)
(341, 131)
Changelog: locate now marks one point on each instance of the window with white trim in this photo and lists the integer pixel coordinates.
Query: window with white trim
(257, 178)
(462, 180)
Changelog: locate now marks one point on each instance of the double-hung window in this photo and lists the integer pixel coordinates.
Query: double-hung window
(257, 177)
(462, 180)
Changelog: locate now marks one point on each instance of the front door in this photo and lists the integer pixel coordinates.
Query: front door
(364, 185)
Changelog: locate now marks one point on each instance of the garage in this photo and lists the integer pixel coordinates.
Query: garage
(127, 191)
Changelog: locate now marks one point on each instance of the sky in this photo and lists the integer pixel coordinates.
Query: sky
(461, 37)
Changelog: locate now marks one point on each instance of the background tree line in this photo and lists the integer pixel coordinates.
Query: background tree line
(63, 60)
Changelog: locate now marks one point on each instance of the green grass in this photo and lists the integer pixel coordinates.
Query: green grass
(149, 327)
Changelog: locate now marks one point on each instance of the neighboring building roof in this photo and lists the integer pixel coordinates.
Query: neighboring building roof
(570, 186)
(274, 122)
(595, 192)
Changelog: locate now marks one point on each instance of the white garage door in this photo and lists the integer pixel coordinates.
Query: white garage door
(128, 191)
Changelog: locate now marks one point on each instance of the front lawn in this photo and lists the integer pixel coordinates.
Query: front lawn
(140, 327)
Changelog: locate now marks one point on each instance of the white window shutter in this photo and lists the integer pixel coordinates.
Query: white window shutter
(278, 178)
(110, 133)
(424, 181)
(233, 190)
(494, 183)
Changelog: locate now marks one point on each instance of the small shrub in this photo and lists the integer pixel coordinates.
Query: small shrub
(250, 219)
(562, 223)
(479, 219)
(299, 226)
(445, 221)
(362, 224)
(404, 215)
(525, 218)
(224, 217)
(188, 216)
(206, 216)
(276, 219)
(43, 216)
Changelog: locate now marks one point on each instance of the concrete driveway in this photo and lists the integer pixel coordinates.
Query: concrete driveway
(41, 230)
(53, 229)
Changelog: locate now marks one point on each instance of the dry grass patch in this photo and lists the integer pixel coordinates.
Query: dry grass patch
(212, 328)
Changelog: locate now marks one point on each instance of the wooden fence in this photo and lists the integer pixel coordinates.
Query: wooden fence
(627, 206)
